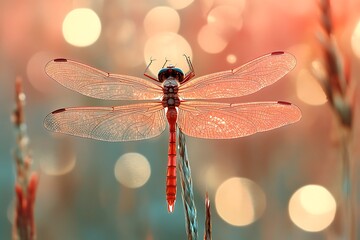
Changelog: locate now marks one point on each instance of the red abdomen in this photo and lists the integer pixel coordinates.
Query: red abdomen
(171, 168)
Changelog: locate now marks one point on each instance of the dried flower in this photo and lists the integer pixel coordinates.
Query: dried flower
(26, 182)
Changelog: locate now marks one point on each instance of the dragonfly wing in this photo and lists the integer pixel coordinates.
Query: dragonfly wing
(215, 120)
(122, 123)
(95, 83)
(240, 81)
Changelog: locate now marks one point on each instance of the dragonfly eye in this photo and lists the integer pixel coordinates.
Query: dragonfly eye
(165, 73)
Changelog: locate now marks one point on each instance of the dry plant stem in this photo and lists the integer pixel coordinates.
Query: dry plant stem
(187, 189)
(337, 88)
(207, 234)
(26, 182)
(349, 188)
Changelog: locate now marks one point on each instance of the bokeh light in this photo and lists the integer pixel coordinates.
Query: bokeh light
(355, 40)
(58, 160)
(167, 46)
(212, 177)
(210, 39)
(308, 89)
(239, 201)
(57, 166)
(81, 27)
(161, 19)
(225, 16)
(312, 208)
(176, 4)
(36, 73)
(125, 33)
(231, 58)
(132, 170)
(123, 41)
(223, 21)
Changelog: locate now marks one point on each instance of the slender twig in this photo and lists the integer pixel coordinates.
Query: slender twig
(26, 181)
(207, 234)
(337, 88)
(187, 190)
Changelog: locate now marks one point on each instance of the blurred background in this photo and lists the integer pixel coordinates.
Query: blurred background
(281, 184)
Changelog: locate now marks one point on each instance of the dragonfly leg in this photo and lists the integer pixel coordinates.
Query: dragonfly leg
(147, 69)
(191, 73)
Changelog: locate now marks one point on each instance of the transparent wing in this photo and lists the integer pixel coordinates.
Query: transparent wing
(240, 81)
(98, 84)
(224, 121)
(122, 123)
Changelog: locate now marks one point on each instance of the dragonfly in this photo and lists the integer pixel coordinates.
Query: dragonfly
(192, 104)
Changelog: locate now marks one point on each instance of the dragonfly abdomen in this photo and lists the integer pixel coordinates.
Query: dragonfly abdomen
(171, 168)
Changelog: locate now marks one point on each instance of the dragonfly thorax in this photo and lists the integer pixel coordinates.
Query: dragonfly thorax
(170, 90)
(171, 83)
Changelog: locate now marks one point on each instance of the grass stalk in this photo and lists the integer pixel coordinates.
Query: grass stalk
(187, 190)
(338, 88)
(207, 233)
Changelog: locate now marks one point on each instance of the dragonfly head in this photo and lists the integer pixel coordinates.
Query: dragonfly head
(171, 71)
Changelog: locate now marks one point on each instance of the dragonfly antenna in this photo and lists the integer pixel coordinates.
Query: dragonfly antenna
(166, 60)
(147, 67)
